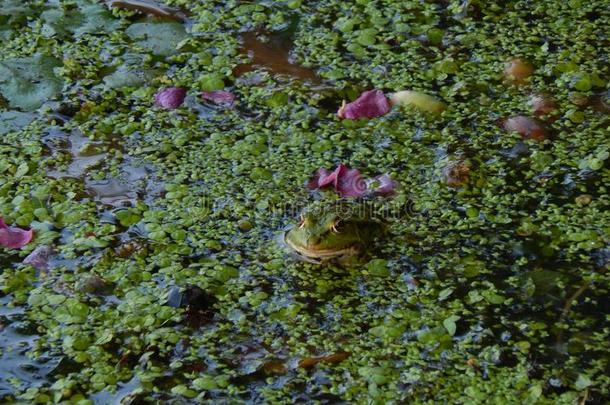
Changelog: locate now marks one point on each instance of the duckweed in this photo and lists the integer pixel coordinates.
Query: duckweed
(490, 287)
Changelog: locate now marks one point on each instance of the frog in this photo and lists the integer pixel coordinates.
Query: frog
(337, 232)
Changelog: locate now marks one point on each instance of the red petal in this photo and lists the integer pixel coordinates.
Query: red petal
(170, 98)
(350, 183)
(14, 238)
(370, 104)
(347, 182)
(219, 96)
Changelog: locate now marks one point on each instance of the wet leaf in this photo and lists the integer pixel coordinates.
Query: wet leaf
(518, 71)
(528, 128)
(378, 267)
(334, 358)
(130, 73)
(88, 18)
(421, 101)
(161, 38)
(583, 381)
(28, 82)
(449, 324)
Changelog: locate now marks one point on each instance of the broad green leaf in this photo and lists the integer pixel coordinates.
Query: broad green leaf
(450, 325)
(28, 82)
(88, 18)
(15, 8)
(583, 381)
(160, 38)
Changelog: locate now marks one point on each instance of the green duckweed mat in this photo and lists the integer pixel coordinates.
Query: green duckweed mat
(166, 282)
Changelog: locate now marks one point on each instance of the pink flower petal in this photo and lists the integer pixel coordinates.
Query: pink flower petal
(385, 185)
(170, 98)
(350, 183)
(39, 258)
(219, 96)
(347, 182)
(370, 104)
(14, 238)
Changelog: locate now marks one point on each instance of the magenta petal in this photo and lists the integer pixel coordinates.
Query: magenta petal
(170, 98)
(327, 177)
(347, 182)
(370, 104)
(39, 258)
(14, 238)
(219, 96)
(316, 179)
(385, 185)
(350, 183)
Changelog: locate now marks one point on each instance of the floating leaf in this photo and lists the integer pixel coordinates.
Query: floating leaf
(583, 381)
(334, 358)
(518, 71)
(131, 73)
(161, 38)
(14, 121)
(14, 9)
(450, 325)
(421, 101)
(88, 18)
(528, 128)
(28, 82)
(378, 267)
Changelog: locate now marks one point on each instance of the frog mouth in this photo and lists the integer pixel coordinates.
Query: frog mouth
(312, 255)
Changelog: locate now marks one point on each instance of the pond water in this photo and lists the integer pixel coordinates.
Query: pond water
(159, 277)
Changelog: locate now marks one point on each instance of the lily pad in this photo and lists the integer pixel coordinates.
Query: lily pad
(131, 73)
(88, 18)
(160, 38)
(28, 82)
(14, 121)
(14, 9)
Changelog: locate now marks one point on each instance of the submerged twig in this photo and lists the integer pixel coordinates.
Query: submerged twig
(568, 305)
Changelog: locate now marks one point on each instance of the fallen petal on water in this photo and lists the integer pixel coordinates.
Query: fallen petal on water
(347, 182)
(370, 104)
(219, 96)
(170, 98)
(13, 237)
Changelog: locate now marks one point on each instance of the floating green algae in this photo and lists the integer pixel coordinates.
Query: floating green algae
(167, 284)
